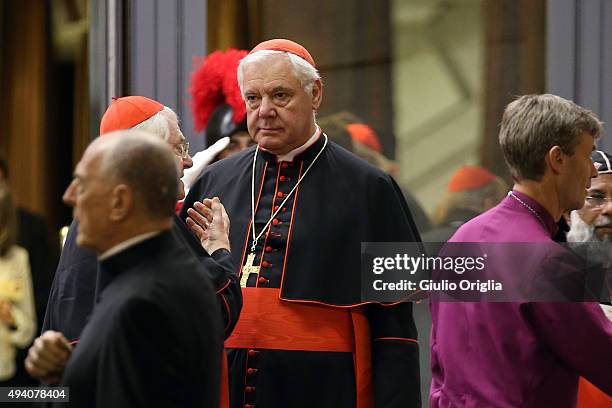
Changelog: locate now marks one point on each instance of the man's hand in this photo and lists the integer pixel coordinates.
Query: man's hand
(210, 222)
(6, 313)
(48, 356)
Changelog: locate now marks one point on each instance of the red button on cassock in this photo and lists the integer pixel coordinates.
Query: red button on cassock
(251, 371)
(252, 352)
(276, 207)
(282, 178)
(249, 389)
(263, 280)
(284, 165)
(276, 221)
(280, 194)
(269, 249)
(266, 264)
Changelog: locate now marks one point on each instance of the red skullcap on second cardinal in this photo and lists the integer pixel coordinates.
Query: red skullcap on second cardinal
(126, 112)
(469, 178)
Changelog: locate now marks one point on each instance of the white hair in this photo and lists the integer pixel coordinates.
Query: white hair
(158, 124)
(302, 70)
(580, 231)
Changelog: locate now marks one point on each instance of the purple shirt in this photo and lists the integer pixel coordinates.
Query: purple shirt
(516, 354)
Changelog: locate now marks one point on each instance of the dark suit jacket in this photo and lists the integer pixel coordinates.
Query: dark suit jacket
(73, 292)
(155, 336)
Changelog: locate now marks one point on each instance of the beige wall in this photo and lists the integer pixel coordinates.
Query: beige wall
(437, 91)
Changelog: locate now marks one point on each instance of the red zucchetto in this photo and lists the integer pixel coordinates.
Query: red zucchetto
(124, 113)
(470, 178)
(364, 135)
(281, 44)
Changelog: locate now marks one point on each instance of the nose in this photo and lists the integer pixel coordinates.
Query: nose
(593, 170)
(69, 196)
(606, 208)
(187, 162)
(266, 108)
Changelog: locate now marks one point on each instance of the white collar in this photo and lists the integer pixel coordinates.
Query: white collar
(291, 155)
(122, 246)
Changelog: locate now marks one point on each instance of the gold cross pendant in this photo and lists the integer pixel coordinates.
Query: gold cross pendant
(248, 269)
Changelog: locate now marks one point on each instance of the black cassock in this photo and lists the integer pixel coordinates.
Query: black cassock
(73, 293)
(311, 251)
(154, 338)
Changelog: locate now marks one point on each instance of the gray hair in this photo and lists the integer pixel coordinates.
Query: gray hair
(158, 123)
(147, 166)
(533, 124)
(303, 71)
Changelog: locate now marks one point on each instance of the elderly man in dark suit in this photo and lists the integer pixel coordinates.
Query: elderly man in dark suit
(155, 336)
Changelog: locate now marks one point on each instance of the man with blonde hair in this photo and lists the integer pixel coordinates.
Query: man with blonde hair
(529, 352)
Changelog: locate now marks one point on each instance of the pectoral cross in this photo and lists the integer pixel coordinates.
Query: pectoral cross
(248, 269)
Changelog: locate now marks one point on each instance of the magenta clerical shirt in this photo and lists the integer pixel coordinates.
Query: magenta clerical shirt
(527, 354)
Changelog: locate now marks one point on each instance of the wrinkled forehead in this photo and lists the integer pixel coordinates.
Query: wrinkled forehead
(270, 68)
(602, 182)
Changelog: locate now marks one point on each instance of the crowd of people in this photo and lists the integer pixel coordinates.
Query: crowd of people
(234, 280)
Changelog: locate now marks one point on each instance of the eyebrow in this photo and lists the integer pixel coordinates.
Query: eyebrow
(281, 88)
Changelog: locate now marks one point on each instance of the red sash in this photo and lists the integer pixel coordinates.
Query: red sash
(590, 396)
(266, 322)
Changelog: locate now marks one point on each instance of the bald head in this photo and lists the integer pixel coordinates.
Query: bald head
(124, 185)
(145, 164)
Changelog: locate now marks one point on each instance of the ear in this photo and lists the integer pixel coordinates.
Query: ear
(122, 203)
(317, 94)
(556, 159)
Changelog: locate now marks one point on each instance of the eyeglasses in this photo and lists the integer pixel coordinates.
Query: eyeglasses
(181, 149)
(598, 200)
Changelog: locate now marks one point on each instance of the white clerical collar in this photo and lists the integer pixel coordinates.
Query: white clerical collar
(291, 155)
(122, 246)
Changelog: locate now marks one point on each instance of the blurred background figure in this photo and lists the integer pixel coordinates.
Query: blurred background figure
(32, 234)
(471, 190)
(17, 315)
(218, 109)
(351, 132)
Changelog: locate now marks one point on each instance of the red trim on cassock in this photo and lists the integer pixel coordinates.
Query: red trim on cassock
(224, 382)
(227, 309)
(318, 302)
(291, 224)
(398, 339)
(246, 243)
(263, 249)
(224, 286)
